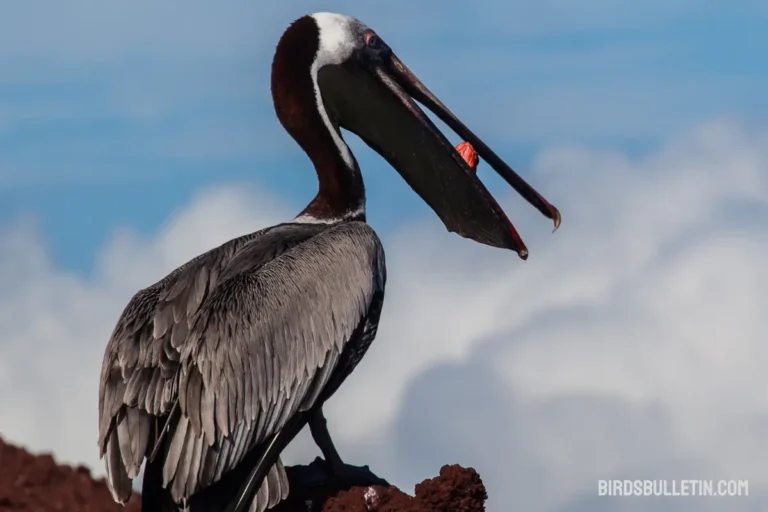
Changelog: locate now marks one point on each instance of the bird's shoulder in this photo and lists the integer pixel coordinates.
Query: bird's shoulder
(347, 252)
(177, 295)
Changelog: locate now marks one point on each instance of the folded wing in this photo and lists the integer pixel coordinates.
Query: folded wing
(242, 346)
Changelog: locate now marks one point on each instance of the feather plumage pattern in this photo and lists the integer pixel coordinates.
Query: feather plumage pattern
(241, 339)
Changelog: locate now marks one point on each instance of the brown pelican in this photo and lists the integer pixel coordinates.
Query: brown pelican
(213, 370)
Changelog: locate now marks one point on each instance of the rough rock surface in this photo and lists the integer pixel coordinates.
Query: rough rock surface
(35, 483)
(457, 489)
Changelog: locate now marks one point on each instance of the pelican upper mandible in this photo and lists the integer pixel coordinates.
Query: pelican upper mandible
(211, 371)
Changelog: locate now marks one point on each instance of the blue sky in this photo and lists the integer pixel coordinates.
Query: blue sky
(105, 108)
(135, 135)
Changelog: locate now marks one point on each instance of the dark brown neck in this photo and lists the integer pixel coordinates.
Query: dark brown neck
(341, 194)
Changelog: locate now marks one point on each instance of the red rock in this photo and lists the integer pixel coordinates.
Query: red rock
(457, 489)
(30, 483)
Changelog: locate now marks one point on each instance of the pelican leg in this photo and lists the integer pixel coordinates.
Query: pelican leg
(318, 426)
(346, 474)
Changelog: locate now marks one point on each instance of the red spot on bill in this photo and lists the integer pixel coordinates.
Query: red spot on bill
(469, 155)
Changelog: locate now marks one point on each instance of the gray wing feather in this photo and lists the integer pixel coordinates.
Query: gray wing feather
(286, 323)
(273, 490)
(116, 468)
(139, 377)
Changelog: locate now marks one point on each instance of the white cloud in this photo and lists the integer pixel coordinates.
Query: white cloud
(630, 343)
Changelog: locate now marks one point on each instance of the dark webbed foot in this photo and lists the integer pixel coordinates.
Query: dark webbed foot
(353, 476)
(320, 474)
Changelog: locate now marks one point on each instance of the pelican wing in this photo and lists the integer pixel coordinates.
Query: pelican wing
(140, 370)
(264, 344)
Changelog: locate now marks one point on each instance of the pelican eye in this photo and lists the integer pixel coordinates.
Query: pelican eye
(373, 41)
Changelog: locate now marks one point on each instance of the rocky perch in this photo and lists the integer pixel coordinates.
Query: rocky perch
(36, 483)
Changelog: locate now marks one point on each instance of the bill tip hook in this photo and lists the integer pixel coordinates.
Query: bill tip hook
(556, 218)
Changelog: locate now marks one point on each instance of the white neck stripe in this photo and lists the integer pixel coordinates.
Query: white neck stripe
(344, 151)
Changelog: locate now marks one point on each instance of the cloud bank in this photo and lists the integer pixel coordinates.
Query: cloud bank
(629, 345)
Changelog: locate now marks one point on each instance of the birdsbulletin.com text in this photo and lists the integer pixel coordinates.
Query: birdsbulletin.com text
(673, 487)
